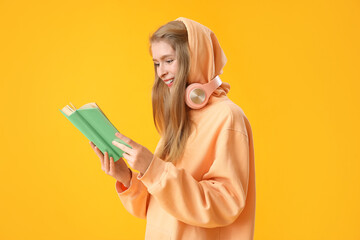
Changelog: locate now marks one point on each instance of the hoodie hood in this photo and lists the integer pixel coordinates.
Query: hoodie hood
(207, 59)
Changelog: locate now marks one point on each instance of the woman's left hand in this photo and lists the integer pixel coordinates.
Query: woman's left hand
(138, 157)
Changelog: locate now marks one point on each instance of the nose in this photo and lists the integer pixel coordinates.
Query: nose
(162, 71)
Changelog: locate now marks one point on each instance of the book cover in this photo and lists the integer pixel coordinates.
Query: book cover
(93, 123)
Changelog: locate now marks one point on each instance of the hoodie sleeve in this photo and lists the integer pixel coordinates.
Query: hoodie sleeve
(135, 198)
(216, 200)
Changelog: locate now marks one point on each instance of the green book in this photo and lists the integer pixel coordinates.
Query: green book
(96, 127)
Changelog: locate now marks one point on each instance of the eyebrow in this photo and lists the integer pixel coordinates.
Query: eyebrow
(168, 55)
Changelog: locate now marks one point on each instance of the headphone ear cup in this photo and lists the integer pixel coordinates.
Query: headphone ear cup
(195, 96)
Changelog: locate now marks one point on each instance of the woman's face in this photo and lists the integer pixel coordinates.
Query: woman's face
(165, 62)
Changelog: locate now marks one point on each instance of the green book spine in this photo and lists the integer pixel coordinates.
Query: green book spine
(98, 129)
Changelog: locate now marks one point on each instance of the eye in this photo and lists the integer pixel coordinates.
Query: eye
(169, 61)
(156, 64)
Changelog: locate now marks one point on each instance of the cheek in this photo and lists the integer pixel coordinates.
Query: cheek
(175, 68)
(157, 71)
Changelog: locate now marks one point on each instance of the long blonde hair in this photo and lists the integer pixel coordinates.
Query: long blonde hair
(170, 113)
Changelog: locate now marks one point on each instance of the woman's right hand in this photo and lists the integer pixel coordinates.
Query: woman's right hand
(118, 170)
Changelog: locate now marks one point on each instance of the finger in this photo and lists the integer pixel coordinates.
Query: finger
(101, 159)
(98, 152)
(128, 157)
(119, 163)
(106, 162)
(93, 146)
(126, 139)
(131, 163)
(123, 147)
(112, 165)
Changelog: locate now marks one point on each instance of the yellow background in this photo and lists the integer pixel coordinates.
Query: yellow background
(293, 67)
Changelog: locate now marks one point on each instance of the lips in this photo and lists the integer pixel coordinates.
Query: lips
(169, 81)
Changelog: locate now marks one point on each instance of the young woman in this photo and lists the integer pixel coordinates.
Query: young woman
(200, 181)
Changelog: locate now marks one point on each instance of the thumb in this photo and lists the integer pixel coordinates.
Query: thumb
(126, 139)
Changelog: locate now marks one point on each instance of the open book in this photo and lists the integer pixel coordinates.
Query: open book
(93, 123)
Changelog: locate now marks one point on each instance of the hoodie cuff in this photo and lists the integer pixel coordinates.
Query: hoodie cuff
(154, 173)
(120, 188)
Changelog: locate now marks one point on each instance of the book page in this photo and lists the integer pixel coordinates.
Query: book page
(89, 105)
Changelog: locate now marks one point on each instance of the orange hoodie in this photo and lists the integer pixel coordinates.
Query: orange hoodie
(210, 192)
